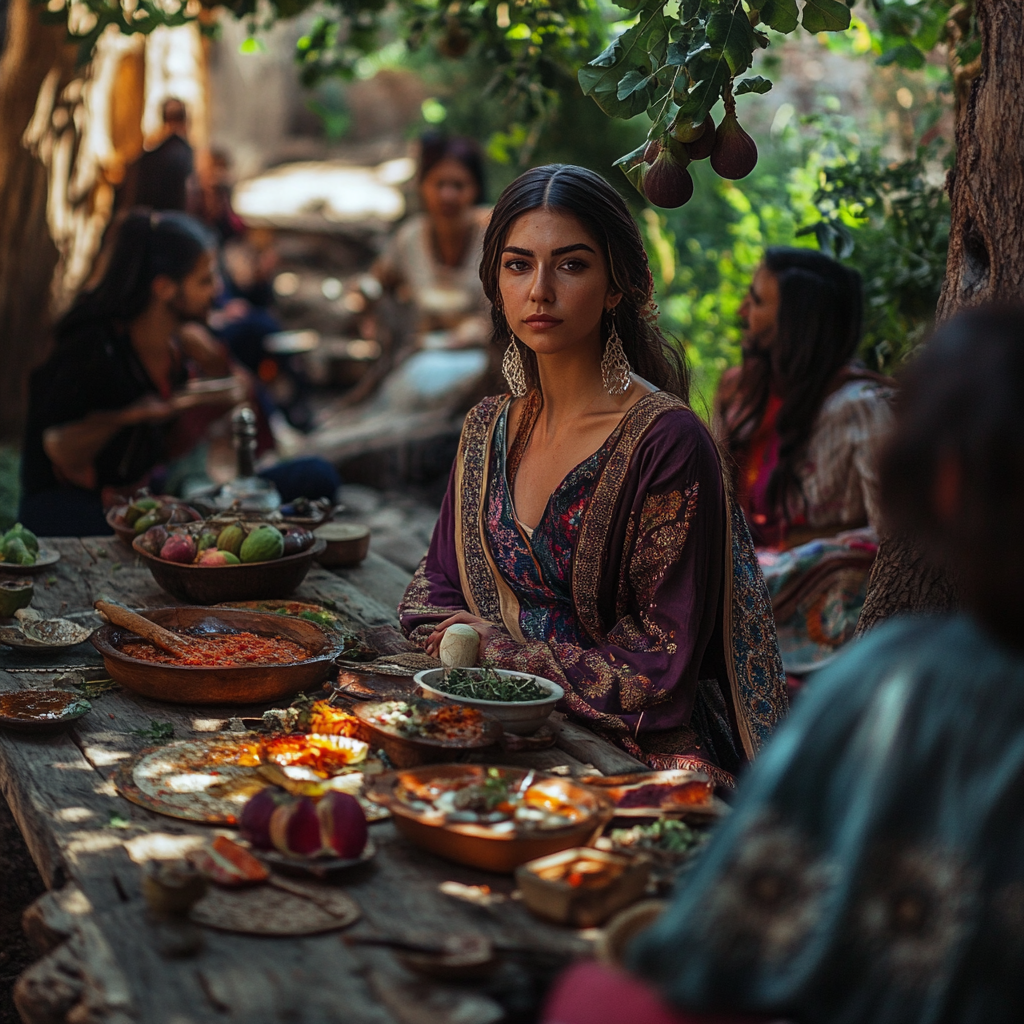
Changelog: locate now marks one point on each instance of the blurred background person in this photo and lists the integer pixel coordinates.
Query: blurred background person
(801, 421)
(109, 410)
(872, 869)
(161, 177)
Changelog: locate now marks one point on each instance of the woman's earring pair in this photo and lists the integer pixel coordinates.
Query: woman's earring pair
(615, 371)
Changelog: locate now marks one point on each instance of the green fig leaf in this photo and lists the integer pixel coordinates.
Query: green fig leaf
(631, 158)
(826, 16)
(756, 84)
(907, 56)
(730, 33)
(629, 56)
(709, 74)
(781, 15)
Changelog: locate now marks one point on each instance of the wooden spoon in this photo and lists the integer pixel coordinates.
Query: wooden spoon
(167, 641)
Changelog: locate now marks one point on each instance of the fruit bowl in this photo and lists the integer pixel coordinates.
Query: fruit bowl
(215, 584)
(126, 534)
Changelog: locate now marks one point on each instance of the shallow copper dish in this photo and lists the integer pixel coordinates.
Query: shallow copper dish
(410, 751)
(680, 793)
(236, 684)
(478, 845)
(41, 710)
(215, 584)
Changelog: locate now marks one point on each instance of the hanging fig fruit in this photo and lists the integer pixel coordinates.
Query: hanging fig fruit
(651, 151)
(685, 131)
(734, 154)
(667, 182)
(700, 149)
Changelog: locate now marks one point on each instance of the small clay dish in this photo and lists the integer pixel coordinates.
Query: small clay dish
(465, 957)
(14, 594)
(46, 557)
(347, 544)
(318, 867)
(40, 710)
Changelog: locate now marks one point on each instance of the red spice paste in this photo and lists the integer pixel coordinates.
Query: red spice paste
(224, 649)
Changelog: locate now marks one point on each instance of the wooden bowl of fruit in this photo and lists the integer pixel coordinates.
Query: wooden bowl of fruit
(240, 562)
(134, 519)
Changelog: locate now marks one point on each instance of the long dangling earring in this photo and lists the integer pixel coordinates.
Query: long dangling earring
(513, 369)
(615, 370)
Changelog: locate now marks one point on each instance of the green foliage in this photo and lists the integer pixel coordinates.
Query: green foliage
(819, 185)
(9, 463)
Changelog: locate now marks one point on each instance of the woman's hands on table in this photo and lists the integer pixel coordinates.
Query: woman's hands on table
(482, 626)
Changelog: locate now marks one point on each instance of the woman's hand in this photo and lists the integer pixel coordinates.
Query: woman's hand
(482, 626)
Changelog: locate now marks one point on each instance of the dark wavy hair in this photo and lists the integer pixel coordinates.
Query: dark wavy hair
(147, 245)
(961, 407)
(602, 211)
(817, 334)
(436, 146)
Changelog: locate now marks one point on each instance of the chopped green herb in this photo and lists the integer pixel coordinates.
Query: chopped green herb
(117, 821)
(158, 732)
(486, 684)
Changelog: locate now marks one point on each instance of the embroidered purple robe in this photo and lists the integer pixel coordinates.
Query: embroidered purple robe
(639, 591)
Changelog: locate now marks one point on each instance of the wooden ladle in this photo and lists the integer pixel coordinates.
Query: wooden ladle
(167, 641)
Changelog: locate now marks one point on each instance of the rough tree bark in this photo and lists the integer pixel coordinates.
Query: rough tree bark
(985, 262)
(27, 256)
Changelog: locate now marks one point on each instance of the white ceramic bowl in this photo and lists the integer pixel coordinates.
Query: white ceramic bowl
(522, 716)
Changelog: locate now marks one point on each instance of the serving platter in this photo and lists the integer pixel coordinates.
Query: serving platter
(679, 793)
(406, 751)
(210, 780)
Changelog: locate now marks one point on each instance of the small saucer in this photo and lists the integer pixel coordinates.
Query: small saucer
(318, 867)
(40, 710)
(46, 557)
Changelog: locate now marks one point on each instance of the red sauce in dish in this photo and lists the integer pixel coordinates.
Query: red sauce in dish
(223, 650)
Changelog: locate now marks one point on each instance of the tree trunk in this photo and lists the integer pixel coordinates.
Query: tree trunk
(27, 255)
(985, 262)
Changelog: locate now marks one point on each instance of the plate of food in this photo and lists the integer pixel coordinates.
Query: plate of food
(40, 710)
(494, 818)
(520, 701)
(21, 552)
(211, 780)
(145, 511)
(414, 731)
(678, 793)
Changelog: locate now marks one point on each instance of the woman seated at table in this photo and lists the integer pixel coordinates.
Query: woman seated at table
(586, 534)
(801, 421)
(105, 409)
(872, 869)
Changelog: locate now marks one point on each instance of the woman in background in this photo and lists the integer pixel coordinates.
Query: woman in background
(587, 535)
(801, 421)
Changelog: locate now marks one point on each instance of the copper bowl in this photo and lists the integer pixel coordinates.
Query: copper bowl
(241, 684)
(477, 845)
(215, 584)
(410, 751)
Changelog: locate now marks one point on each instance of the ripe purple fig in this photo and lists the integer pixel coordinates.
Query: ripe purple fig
(734, 154)
(342, 824)
(295, 828)
(668, 183)
(179, 547)
(652, 150)
(254, 822)
(154, 539)
(700, 149)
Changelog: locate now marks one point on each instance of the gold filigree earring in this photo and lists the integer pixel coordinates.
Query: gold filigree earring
(513, 369)
(615, 369)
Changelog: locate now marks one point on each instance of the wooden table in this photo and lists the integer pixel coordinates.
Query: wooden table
(100, 958)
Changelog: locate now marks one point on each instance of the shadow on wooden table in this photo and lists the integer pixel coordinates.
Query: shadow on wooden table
(20, 884)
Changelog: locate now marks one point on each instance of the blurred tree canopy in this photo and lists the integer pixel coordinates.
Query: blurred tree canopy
(506, 71)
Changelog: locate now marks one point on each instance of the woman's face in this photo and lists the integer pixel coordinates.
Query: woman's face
(448, 190)
(554, 282)
(193, 296)
(759, 311)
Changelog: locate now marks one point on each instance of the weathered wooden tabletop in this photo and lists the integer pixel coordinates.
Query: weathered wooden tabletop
(100, 960)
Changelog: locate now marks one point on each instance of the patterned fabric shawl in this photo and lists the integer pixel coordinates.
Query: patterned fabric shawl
(668, 599)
